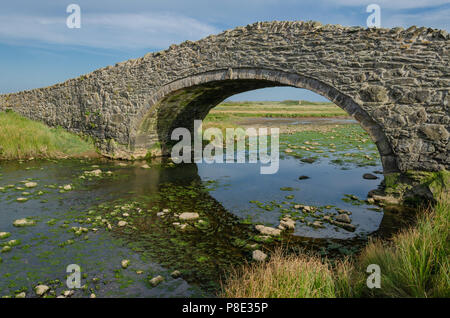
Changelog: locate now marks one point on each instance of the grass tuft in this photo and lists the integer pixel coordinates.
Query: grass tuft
(22, 138)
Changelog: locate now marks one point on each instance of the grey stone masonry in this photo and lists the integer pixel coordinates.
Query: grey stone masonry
(395, 82)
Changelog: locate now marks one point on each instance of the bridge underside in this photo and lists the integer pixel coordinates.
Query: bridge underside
(180, 103)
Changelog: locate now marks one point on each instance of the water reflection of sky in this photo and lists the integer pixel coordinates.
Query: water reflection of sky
(327, 185)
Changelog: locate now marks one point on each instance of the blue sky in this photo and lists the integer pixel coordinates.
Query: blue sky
(37, 49)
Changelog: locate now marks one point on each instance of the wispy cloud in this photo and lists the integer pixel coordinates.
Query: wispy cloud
(391, 4)
(112, 30)
(437, 19)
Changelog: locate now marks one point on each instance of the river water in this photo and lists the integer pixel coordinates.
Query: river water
(230, 199)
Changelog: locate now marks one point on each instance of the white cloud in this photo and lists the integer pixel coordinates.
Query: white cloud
(391, 4)
(114, 30)
(435, 19)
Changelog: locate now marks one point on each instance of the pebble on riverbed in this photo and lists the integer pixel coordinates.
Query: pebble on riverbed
(4, 235)
(122, 223)
(175, 274)
(155, 281)
(125, 263)
(23, 222)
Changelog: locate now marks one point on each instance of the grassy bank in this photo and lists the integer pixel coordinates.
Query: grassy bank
(414, 263)
(22, 138)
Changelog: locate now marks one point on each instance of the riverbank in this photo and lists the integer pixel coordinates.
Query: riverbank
(414, 263)
(22, 138)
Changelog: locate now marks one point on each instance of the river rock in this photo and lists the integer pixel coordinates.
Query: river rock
(259, 256)
(21, 199)
(122, 223)
(23, 222)
(303, 177)
(266, 230)
(155, 281)
(125, 263)
(343, 218)
(95, 173)
(30, 184)
(175, 274)
(189, 216)
(386, 199)
(317, 224)
(287, 223)
(4, 235)
(68, 293)
(21, 295)
(6, 249)
(67, 187)
(369, 176)
(40, 290)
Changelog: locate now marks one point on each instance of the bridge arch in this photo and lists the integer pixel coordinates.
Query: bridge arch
(180, 102)
(395, 82)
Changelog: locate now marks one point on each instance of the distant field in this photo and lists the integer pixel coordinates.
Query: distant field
(231, 114)
(286, 109)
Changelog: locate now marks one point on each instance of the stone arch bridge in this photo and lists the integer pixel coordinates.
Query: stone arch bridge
(395, 82)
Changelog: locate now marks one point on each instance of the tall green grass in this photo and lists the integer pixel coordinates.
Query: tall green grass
(415, 263)
(22, 138)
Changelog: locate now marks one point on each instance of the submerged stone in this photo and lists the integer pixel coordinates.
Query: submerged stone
(369, 176)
